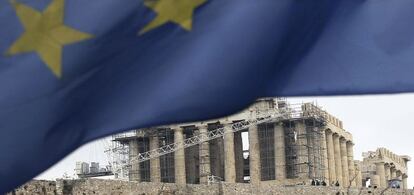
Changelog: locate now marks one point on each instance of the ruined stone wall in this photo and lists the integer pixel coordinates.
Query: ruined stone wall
(111, 187)
(40, 187)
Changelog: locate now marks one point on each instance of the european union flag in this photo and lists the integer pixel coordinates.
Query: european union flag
(73, 71)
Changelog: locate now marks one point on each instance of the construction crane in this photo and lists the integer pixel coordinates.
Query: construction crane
(117, 155)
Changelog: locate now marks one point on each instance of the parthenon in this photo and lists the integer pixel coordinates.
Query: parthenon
(309, 144)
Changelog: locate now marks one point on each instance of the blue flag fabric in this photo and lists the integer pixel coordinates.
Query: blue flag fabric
(73, 71)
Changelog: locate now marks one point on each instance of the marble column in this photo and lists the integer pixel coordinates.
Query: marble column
(351, 167)
(393, 173)
(375, 181)
(155, 170)
(220, 158)
(204, 152)
(254, 155)
(344, 159)
(404, 182)
(325, 159)
(399, 175)
(229, 157)
(310, 146)
(338, 161)
(280, 155)
(191, 160)
(303, 160)
(359, 177)
(238, 152)
(380, 170)
(179, 157)
(387, 172)
(134, 171)
(331, 156)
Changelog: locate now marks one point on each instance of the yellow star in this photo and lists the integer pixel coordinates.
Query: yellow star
(45, 34)
(177, 11)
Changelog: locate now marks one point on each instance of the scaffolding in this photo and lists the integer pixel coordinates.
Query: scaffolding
(118, 158)
(304, 137)
(166, 137)
(267, 151)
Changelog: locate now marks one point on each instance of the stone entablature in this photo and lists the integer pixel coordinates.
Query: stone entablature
(259, 108)
(332, 123)
(341, 132)
(263, 107)
(309, 108)
(387, 157)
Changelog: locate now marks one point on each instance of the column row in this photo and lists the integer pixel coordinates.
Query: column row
(385, 172)
(179, 157)
(337, 157)
(232, 149)
(340, 158)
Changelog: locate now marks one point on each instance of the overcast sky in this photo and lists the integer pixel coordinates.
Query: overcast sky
(374, 121)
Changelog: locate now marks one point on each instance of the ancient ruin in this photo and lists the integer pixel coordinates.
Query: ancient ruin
(303, 144)
(382, 165)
